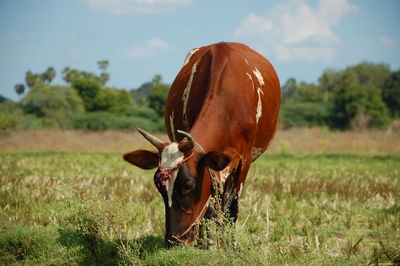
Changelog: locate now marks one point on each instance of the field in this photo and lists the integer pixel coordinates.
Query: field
(317, 198)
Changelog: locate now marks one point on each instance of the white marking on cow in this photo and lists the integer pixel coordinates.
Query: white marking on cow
(185, 96)
(190, 54)
(240, 190)
(255, 152)
(251, 78)
(224, 174)
(170, 157)
(259, 76)
(259, 104)
(247, 62)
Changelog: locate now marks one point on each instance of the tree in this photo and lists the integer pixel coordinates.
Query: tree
(104, 76)
(328, 82)
(87, 90)
(309, 92)
(158, 95)
(366, 73)
(19, 89)
(359, 106)
(32, 79)
(70, 75)
(48, 75)
(112, 100)
(289, 89)
(391, 93)
(157, 78)
(103, 65)
(55, 102)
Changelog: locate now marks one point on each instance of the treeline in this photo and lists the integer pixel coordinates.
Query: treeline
(84, 102)
(362, 96)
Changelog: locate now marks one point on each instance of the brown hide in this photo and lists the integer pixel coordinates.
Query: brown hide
(222, 101)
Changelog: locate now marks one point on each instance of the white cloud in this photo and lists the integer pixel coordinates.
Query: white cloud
(134, 6)
(248, 29)
(292, 30)
(387, 41)
(146, 50)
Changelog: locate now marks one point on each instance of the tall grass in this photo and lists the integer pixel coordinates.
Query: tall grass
(92, 208)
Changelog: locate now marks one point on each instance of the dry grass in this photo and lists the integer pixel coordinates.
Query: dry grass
(73, 140)
(313, 140)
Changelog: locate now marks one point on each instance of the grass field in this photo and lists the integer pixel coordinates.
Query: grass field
(63, 207)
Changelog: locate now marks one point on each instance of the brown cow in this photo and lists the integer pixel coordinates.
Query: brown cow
(221, 114)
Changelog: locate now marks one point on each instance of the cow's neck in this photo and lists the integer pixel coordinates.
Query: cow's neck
(209, 134)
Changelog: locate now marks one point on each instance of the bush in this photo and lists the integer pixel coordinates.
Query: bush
(8, 121)
(96, 121)
(304, 114)
(56, 104)
(13, 118)
(142, 111)
(112, 100)
(99, 121)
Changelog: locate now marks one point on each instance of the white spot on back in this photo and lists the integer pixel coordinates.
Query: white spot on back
(259, 104)
(190, 54)
(259, 76)
(185, 96)
(247, 62)
(170, 157)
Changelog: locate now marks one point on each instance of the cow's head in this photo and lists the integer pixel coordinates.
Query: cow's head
(182, 180)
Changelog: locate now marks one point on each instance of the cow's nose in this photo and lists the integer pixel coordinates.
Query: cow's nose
(172, 241)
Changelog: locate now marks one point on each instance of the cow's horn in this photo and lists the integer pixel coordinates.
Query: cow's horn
(189, 144)
(152, 139)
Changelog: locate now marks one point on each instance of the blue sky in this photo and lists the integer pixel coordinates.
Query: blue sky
(141, 38)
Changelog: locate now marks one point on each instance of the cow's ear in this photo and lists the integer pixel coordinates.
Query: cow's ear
(216, 161)
(143, 159)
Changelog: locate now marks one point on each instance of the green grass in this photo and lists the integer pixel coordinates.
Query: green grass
(93, 208)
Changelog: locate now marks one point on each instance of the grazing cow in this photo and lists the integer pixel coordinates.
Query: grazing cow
(221, 113)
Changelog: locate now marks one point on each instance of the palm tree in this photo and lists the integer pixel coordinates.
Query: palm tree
(48, 75)
(19, 89)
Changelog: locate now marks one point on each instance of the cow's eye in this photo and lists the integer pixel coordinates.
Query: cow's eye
(187, 188)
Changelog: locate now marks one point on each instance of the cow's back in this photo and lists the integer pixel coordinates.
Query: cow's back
(230, 84)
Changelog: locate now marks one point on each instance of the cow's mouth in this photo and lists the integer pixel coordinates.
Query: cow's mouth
(190, 234)
(184, 239)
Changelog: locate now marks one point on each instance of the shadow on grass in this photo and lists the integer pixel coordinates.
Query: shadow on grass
(95, 250)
